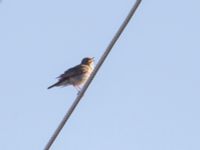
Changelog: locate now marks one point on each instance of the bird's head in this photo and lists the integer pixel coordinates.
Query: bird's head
(88, 61)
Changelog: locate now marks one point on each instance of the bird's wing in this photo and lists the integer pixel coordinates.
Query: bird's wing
(77, 70)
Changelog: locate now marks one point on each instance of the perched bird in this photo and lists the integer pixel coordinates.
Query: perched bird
(77, 75)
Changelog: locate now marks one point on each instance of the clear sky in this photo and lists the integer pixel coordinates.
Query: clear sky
(145, 97)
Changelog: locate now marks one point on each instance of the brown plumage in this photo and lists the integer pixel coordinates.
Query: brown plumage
(77, 75)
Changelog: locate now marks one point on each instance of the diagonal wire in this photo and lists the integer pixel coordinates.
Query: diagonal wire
(85, 87)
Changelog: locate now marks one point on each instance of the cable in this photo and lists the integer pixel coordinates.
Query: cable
(85, 87)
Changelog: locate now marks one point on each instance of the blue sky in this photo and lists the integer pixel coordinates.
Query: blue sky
(145, 97)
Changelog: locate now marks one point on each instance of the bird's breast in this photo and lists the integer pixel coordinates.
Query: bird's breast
(80, 79)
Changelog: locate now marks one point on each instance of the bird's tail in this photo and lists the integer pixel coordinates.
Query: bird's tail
(56, 84)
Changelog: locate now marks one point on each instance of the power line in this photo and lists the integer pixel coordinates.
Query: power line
(85, 87)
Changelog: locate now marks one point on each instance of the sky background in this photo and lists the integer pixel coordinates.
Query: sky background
(145, 97)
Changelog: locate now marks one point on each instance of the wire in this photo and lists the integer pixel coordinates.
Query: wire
(85, 87)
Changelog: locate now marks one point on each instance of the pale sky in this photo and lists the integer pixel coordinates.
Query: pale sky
(145, 97)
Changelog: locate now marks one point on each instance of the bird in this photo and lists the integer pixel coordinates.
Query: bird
(77, 75)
